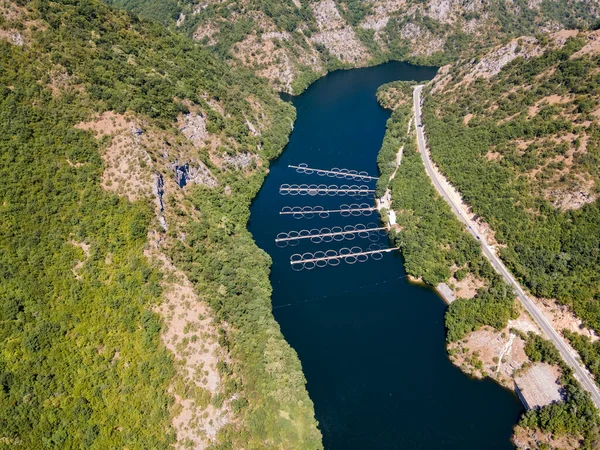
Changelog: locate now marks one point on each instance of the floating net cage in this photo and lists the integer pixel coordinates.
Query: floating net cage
(308, 212)
(370, 231)
(349, 255)
(335, 172)
(323, 189)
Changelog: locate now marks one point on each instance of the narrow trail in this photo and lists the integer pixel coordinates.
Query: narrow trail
(567, 353)
(386, 200)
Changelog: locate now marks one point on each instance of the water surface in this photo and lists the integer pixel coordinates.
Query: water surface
(372, 345)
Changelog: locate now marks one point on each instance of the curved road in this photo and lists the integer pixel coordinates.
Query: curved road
(581, 373)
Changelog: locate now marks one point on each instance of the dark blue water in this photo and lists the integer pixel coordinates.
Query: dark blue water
(372, 345)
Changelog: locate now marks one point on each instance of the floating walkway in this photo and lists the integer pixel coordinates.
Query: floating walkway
(308, 212)
(334, 173)
(322, 189)
(333, 234)
(333, 258)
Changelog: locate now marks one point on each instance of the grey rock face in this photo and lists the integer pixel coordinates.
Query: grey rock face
(193, 172)
(193, 127)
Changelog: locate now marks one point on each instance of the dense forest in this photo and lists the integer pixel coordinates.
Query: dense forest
(81, 360)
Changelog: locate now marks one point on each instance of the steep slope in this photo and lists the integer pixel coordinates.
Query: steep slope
(135, 306)
(292, 42)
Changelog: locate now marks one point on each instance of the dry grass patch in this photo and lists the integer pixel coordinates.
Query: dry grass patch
(487, 352)
(549, 100)
(191, 335)
(467, 287)
(562, 318)
(85, 248)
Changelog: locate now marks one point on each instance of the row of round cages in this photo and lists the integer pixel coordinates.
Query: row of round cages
(345, 210)
(370, 231)
(335, 172)
(323, 189)
(349, 255)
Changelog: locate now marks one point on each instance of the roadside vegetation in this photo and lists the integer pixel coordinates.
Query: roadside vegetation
(522, 150)
(576, 415)
(81, 360)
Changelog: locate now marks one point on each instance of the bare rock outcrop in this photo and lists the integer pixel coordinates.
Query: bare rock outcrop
(193, 127)
(240, 161)
(12, 36)
(336, 35)
(422, 41)
(492, 63)
(193, 172)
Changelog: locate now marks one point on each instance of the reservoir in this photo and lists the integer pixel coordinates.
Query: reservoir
(372, 345)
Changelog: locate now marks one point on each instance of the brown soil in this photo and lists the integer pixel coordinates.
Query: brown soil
(497, 354)
(207, 30)
(61, 81)
(106, 124)
(487, 352)
(75, 165)
(493, 156)
(560, 37)
(549, 100)
(467, 287)
(85, 248)
(592, 47)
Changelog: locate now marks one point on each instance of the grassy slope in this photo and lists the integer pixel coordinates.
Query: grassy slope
(61, 382)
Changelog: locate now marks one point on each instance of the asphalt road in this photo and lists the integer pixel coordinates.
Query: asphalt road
(581, 373)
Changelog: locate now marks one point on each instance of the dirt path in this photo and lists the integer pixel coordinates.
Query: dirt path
(386, 200)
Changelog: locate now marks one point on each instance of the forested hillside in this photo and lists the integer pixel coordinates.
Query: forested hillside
(516, 131)
(292, 42)
(523, 150)
(434, 244)
(114, 130)
(136, 308)
(488, 334)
